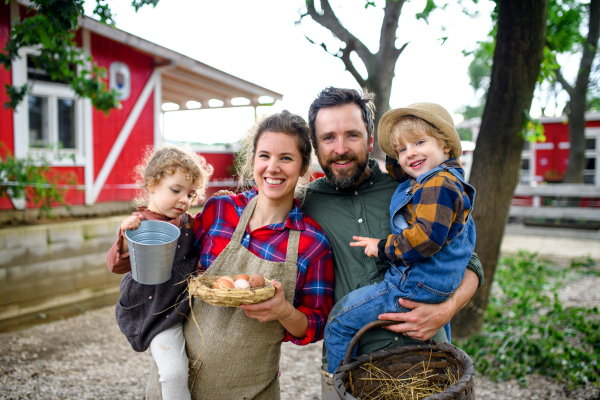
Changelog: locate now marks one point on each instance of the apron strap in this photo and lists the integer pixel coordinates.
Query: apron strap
(292, 246)
(240, 229)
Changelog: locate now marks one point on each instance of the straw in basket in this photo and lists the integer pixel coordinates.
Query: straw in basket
(351, 381)
(201, 287)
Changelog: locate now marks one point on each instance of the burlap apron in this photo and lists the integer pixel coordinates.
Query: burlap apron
(241, 355)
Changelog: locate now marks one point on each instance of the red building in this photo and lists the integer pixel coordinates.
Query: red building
(106, 147)
(548, 161)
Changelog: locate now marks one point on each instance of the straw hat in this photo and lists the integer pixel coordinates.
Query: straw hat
(433, 113)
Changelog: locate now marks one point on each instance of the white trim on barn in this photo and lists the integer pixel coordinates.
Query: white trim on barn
(115, 151)
(88, 126)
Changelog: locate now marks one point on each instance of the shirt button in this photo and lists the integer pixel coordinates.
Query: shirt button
(186, 234)
(248, 236)
(360, 220)
(178, 246)
(184, 257)
(396, 338)
(150, 297)
(356, 193)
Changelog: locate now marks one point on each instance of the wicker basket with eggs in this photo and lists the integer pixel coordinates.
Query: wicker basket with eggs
(226, 291)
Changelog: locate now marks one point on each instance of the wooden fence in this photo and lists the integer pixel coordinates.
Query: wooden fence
(557, 201)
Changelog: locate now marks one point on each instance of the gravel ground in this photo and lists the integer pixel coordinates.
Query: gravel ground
(86, 357)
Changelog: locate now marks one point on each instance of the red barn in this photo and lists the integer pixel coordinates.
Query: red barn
(547, 161)
(106, 147)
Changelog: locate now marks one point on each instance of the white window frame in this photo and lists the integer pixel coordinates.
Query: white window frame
(594, 133)
(528, 177)
(52, 91)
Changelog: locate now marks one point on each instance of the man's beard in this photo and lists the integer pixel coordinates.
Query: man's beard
(346, 179)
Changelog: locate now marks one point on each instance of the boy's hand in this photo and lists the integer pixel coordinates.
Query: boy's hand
(369, 244)
(132, 223)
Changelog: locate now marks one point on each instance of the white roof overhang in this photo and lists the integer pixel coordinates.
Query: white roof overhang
(183, 78)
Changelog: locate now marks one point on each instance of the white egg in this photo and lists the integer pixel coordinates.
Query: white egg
(241, 284)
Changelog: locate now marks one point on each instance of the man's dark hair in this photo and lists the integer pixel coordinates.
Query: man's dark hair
(332, 97)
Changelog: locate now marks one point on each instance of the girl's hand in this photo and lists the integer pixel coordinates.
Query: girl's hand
(273, 309)
(132, 223)
(369, 244)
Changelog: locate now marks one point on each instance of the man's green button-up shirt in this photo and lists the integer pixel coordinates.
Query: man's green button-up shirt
(360, 211)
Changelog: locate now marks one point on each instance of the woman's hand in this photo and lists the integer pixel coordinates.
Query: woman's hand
(369, 244)
(223, 192)
(277, 308)
(273, 309)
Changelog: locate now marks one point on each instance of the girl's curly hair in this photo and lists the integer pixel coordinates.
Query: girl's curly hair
(166, 160)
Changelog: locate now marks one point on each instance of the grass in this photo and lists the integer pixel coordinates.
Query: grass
(528, 330)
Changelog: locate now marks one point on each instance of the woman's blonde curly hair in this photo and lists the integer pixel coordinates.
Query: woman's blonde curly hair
(284, 122)
(166, 160)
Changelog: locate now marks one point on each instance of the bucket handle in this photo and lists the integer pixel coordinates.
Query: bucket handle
(363, 330)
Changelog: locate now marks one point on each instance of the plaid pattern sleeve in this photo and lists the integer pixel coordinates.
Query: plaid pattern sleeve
(214, 228)
(438, 212)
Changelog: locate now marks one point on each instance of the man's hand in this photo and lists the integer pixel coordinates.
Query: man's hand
(369, 244)
(424, 320)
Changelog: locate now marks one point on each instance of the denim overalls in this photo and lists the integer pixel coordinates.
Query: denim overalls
(431, 280)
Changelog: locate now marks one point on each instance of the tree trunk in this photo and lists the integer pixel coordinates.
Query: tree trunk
(381, 85)
(380, 66)
(497, 158)
(578, 98)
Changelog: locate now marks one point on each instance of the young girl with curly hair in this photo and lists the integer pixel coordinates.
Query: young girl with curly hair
(172, 178)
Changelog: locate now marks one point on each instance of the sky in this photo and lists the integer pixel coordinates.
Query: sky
(260, 41)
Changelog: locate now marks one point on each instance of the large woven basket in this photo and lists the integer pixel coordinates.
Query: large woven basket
(201, 287)
(349, 377)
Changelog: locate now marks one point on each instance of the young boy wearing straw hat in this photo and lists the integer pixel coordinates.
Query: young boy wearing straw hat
(433, 234)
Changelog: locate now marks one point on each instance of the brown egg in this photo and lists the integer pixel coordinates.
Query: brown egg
(230, 279)
(242, 276)
(257, 280)
(222, 283)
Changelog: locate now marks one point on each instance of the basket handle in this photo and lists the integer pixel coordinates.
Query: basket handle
(363, 330)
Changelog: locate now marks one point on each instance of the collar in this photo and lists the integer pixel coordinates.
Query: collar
(295, 219)
(453, 163)
(159, 216)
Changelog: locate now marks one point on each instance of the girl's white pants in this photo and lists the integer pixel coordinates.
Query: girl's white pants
(168, 351)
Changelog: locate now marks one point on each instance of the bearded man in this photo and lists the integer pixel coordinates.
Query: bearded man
(353, 200)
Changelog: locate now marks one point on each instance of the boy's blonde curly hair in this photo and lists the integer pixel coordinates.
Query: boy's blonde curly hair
(166, 160)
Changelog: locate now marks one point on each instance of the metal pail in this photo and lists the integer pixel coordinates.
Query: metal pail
(327, 389)
(151, 250)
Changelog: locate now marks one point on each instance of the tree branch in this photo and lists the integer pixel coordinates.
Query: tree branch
(332, 23)
(400, 50)
(561, 79)
(345, 57)
(590, 46)
(389, 26)
(350, 67)
(559, 76)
